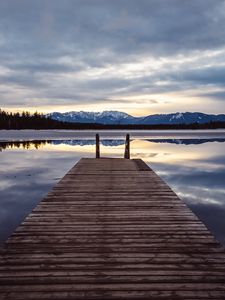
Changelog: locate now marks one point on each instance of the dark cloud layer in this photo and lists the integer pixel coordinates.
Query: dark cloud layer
(91, 50)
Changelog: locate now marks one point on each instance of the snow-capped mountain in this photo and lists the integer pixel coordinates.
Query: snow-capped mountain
(105, 117)
(117, 117)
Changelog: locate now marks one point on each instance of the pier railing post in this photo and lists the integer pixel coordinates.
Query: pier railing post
(97, 146)
(127, 147)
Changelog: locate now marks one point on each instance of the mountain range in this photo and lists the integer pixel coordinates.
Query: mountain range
(117, 117)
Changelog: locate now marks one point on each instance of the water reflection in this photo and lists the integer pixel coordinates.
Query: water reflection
(203, 188)
(105, 142)
(194, 168)
(187, 141)
(23, 144)
(37, 144)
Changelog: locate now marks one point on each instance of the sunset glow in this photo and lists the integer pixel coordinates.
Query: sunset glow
(131, 56)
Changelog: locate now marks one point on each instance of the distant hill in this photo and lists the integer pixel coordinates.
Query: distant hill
(120, 118)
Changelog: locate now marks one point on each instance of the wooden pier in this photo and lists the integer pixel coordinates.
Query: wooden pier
(112, 229)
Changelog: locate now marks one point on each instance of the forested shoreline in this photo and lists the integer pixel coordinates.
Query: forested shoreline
(26, 120)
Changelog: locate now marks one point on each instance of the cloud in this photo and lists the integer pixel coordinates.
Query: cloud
(218, 95)
(93, 51)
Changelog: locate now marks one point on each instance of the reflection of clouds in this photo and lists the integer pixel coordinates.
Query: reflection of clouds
(189, 160)
(148, 155)
(25, 177)
(202, 196)
(143, 148)
(201, 188)
(218, 160)
(195, 177)
(144, 155)
(5, 183)
(196, 172)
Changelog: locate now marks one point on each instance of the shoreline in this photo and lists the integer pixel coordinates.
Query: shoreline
(30, 134)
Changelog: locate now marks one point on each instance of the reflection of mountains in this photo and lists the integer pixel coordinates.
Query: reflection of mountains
(119, 142)
(109, 143)
(26, 145)
(186, 141)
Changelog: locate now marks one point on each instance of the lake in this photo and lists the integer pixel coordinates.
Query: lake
(192, 163)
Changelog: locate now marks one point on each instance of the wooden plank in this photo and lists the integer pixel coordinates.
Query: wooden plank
(112, 229)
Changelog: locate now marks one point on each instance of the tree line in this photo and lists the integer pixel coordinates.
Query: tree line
(26, 120)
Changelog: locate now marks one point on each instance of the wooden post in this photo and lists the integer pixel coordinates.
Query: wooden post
(97, 146)
(127, 147)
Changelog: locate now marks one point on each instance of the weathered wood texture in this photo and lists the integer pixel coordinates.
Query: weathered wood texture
(112, 229)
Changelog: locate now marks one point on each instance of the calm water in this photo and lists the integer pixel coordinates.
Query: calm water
(194, 168)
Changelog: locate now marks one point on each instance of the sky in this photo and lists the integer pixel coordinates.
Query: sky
(137, 56)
